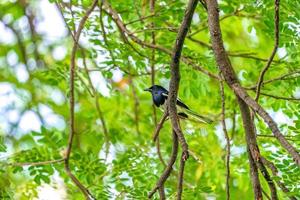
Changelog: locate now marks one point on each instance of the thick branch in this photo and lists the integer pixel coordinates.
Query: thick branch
(174, 85)
(252, 148)
(175, 74)
(231, 79)
(160, 183)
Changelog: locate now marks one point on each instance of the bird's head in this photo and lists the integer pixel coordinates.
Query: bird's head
(158, 94)
(155, 89)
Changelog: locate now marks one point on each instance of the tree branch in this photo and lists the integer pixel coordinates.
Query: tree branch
(180, 177)
(282, 77)
(227, 71)
(160, 183)
(48, 162)
(152, 65)
(160, 125)
(94, 92)
(115, 16)
(72, 116)
(175, 74)
(104, 32)
(174, 85)
(232, 81)
(226, 138)
(265, 69)
(280, 97)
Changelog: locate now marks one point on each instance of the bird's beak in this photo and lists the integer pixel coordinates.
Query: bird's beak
(147, 89)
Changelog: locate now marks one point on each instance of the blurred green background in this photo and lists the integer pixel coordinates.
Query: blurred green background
(34, 91)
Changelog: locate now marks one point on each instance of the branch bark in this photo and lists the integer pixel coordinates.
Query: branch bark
(175, 74)
(174, 85)
(231, 79)
(165, 175)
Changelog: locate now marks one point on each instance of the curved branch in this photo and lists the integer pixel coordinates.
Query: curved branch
(160, 125)
(175, 74)
(265, 69)
(115, 16)
(231, 79)
(83, 189)
(160, 183)
(174, 85)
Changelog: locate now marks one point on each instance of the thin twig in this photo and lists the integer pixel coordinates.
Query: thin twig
(180, 177)
(160, 125)
(104, 35)
(282, 77)
(83, 189)
(280, 97)
(115, 16)
(94, 93)
(159, 11)
(231, 54)
(205, 26)
(276, 38)
(233, 130)
(152, 65)
(226, 138)
(272, 136)
(48, 162)
(98, 106)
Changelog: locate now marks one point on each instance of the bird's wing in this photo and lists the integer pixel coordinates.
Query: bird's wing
(179, 102)
(186, 113)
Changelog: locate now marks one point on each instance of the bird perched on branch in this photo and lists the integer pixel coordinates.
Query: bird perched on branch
(160, 96)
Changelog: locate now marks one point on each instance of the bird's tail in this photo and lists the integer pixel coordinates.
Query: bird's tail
(198, 118)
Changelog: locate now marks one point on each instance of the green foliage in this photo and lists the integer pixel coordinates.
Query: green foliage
(130, 167)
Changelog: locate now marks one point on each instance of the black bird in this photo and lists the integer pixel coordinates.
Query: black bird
(160, 96)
